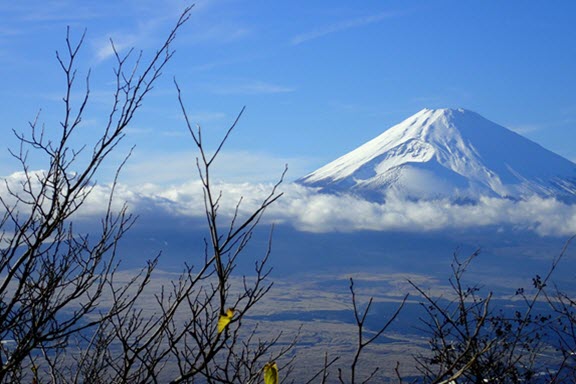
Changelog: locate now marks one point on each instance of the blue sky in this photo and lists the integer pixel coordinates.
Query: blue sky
(318, 78)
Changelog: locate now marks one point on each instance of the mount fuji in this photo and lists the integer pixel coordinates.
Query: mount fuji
(448, 153)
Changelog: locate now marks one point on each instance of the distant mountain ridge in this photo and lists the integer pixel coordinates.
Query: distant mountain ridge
(448, 153)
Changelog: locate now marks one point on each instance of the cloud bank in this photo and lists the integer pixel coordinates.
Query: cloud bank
(307, 210)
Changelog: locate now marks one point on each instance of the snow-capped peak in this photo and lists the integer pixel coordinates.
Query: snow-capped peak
(451, 153)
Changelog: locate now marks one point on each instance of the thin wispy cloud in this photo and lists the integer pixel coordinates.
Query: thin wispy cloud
(524, 129)
(53, 11)
(158, 18)
(145, 35)
(249, 87)
(7, 32)
(153, 21)
(226, 62)
(218, 34)
(207, 117)
(233, 166)
(342, 26)
(104, 48)
(23, 21)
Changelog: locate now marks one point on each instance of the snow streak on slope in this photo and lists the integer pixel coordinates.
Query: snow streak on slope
(447, 153)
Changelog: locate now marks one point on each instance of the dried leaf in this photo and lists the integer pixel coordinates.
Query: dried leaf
(225, 319)
(271, 373)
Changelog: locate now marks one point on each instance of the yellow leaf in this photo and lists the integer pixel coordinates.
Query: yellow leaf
(271, 373)
(225, 319)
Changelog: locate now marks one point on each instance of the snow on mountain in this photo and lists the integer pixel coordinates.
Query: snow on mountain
(448, 153)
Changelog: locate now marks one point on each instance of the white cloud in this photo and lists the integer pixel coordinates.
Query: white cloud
(310, 211)
(307, 210)
(20, 189)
